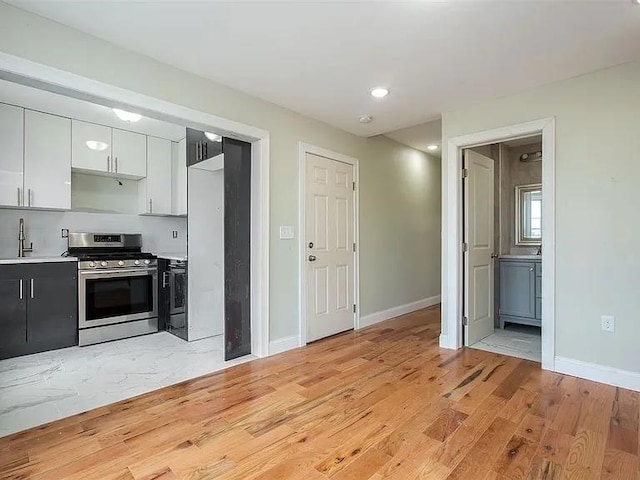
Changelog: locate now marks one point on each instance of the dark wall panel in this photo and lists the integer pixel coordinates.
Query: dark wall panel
(237, 247)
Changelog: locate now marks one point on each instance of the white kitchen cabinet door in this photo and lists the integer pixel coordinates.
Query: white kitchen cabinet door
(47, 160)
(91, 147)
(179, 178)
(154, 191)
(11, 155)
(129, 154)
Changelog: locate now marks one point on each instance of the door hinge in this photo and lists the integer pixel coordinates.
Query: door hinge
(354, 186)
(354, 247)
(465, 321)
(354, 308)
(465, 246)
(465, 172)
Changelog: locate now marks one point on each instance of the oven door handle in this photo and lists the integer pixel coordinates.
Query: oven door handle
(118, 273)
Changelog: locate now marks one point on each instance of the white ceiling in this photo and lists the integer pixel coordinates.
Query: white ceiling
(421, 136)
(321, 58)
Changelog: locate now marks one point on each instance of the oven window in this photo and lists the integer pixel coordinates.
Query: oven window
(114, 297)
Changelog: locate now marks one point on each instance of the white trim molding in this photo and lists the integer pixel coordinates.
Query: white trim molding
(393, 312)
(45, 77)
(598, 373)
(452, 274)
(283, 344)
(303, 149)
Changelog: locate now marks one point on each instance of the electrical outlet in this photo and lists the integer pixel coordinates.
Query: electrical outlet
(608, 323)
(175, 234)
(65, 233)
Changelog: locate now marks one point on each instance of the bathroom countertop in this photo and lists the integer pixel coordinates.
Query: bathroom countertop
(521, 257)
(36, 259)
(172, 256)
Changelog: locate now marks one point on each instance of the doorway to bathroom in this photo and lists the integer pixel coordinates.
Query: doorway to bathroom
(481, 225)
(502, 190)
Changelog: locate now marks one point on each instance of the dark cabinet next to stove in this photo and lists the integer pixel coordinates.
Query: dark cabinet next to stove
(39, 307)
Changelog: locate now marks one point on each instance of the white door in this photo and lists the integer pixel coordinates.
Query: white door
(479, 237)
(129, 154)
(47, 160)
(11, 155)
(155, 189)
(329, 256)
(91, 147)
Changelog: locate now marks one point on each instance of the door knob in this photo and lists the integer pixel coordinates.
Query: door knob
(494, 255)
(312, 258)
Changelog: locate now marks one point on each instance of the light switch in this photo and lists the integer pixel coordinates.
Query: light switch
(286, 232)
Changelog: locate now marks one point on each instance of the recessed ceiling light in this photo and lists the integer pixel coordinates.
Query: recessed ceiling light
(379, 92)
(96, 145)
(365, 119)
(127, 116)
(213, 136)
(432, 147)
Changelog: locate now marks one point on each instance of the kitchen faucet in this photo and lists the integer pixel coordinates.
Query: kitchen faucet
(21, 239)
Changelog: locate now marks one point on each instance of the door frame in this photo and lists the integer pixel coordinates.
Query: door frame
(303, 149)
(27, 72)
(452, 218)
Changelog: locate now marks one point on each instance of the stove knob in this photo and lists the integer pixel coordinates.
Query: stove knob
(136, 262)
(92, 264)
(147, 262)
(120, 263)
(103, 264)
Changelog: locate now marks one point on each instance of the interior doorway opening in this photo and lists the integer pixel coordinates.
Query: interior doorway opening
(453, 231)
(502, 237)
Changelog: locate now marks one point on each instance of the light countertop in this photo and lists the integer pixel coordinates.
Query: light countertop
(521, 257)
(172, 256)
(36, 259)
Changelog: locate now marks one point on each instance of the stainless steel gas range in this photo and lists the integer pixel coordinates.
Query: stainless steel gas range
(117, 286)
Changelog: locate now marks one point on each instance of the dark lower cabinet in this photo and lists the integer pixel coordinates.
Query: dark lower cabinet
(40, 305)
(13, 312)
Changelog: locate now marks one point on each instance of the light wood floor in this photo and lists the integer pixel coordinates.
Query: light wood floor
(384, 402)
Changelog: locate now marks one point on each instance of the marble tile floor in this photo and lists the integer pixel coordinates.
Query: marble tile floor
(40, 388)
(520, 341)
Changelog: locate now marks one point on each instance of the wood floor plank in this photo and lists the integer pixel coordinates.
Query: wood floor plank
(384, 402)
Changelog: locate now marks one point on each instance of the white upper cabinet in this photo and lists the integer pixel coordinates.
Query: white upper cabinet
(91, 147)
(11, 155)
(154, 191)
(47, 160)
(179, 178)
(129, 154)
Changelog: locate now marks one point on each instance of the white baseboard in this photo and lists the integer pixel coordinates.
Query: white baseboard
(598, 373)
(397, 311)
(283, 344)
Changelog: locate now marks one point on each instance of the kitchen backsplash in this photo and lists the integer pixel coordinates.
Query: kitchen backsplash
(44, 229)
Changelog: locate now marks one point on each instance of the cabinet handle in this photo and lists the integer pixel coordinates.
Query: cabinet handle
(19, 196)
(30, 197)
(197, 151)
(151, 205)
(21, 294)
(165, 281)
(531, 269)
(206, 150)
(32, 288)
(116, 164)
(108, 163)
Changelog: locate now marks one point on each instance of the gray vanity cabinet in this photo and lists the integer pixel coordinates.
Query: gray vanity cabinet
(39, 307)
(520, 293)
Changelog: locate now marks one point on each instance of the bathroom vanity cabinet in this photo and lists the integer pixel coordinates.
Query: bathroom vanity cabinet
(520, 291)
